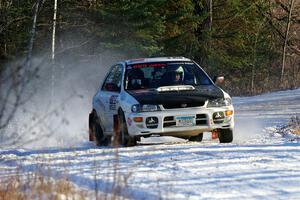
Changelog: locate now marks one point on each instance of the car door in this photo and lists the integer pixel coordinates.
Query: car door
(109, 96)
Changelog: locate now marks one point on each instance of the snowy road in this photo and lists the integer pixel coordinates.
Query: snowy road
(257, 165)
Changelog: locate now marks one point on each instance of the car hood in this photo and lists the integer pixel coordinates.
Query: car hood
(199, 94)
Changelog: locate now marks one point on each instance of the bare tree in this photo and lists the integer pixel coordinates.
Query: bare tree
(32, 35)
(286, 39)
(15, 79)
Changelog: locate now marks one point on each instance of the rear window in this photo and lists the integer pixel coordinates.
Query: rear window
(154, 75)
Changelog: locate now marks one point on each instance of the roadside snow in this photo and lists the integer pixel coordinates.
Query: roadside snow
(259, 164)
(185, 171)
(257, 118)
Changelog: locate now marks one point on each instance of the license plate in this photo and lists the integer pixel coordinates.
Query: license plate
(185, 121)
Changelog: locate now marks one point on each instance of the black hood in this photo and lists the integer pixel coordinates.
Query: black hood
(200, 94)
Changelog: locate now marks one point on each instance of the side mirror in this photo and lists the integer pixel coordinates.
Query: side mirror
(112, 87)
(219, 80)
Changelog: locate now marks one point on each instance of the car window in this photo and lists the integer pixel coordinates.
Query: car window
(154, 75)
(113, 79)
(200, 78)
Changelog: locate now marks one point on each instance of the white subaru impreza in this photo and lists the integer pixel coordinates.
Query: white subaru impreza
(167, 96)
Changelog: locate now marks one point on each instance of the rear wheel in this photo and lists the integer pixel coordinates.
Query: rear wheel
(91, 128)
(197, 138)
(225, 135)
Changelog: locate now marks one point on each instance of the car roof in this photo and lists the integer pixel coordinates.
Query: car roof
(155, 59)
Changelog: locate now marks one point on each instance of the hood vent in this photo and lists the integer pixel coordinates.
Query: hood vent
(175, 88)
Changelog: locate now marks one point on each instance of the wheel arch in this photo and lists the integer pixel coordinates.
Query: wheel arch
(95, 117)
(120, 110)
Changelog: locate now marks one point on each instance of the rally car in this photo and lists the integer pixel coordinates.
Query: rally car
(164, 96)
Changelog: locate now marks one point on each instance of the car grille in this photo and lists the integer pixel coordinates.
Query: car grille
(169, 121)
(201, 119)
(182, 105)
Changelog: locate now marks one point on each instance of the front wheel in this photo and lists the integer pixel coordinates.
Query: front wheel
(101, 139)
(122, 137)
(225, 135)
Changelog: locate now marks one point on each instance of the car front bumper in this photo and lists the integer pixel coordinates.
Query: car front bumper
(166, 122)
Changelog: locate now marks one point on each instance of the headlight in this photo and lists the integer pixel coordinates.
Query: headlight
(144, 108)
(219, 102)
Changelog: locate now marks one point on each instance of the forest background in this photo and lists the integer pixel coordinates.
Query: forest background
(254, 44)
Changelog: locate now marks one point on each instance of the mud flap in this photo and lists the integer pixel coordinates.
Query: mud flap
(214, 135)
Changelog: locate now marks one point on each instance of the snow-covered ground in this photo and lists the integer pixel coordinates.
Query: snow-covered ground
(259, 164)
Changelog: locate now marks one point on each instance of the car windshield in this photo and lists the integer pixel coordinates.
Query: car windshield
(154, 75)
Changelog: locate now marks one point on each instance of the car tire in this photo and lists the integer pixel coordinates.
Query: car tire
(123, 138)
(225, 135)
(91, 127)
(197, 138)
(100, 138)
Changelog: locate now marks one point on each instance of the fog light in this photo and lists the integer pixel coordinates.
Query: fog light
(138, 119)
(218, 115)
(152, 122)
(229, 112)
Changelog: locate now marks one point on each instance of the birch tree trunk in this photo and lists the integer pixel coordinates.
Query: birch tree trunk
(53, 51)
(286, 40)
(53, 30)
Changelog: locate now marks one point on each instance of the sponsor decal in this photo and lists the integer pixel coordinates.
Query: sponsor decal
(143, 65)
(113, 100)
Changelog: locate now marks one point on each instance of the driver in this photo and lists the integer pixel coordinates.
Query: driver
(177, 76)
(173, 76)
